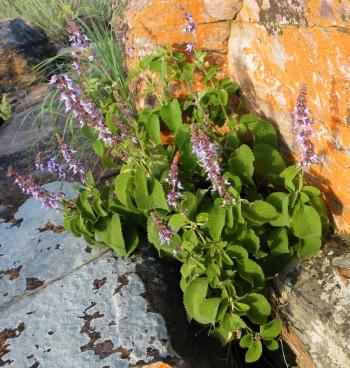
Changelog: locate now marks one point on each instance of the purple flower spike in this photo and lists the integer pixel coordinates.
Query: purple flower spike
(207, 155)
(73, 164)
(29, 187)
(83, 108)
(303, 130)
(173, 180)
(190, 26)
(165, 233)
(80, 43)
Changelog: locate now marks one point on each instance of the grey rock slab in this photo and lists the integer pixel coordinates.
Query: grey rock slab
(315, 300)
(88, 312)
(32, 254)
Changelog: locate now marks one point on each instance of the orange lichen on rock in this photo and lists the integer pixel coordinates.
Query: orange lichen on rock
(283, 48)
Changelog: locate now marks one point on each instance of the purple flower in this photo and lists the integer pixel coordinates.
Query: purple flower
(29, 187)
(303, 129)
(190, 26)
(189, 47)
(38, 163)
(207, 154)
(173, 180)
(80, 43)
(165, 232)
(54, 167)
(83, 108)
(73, 164)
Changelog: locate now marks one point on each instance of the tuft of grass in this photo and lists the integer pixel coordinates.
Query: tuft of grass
(51, 15)
(5, 109)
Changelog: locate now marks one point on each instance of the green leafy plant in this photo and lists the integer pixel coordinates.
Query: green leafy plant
(5, 109)
(209, 187)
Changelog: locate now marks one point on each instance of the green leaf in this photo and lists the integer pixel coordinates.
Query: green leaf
(271, 330)
(308, 247)
(153, 128)
(241, 163)
(280, 201)
(216, 223)
(306, 223)
(251, 272)
(122, 186)
(84, 206)
(153, 234)
(109, 231)
(156, 199)
(268, 162)
(277, 241)
(98, 208)
(238, 252)
(194, 294)
(246, 341)
(131, 238)
(248, 118)
(311, 191)
(183, 143)
(171, 115)
(271, 344)
(260, 308)
(187, 72)
(229, 324)
(141, 190)
(208, 309)
(254, 352)
(248, 239)
(241, 307)
(319, 205)
(259, 212)
(98, 147)
(263, 132)
(289, 174)
(189, 203)
(177, 221)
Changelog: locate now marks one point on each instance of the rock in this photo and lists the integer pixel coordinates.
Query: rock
(21, 47)
(315, 300)
(20, 139)
(83, 309)
(275, 46)
(159, 22)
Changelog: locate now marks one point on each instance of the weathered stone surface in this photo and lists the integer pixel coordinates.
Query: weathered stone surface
(274, 48)
(21, 47)
(159, 22)
(315, 302)
(82, 309)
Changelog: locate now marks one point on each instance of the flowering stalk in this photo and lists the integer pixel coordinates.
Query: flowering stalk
(83, 108)
(28, 186)
(73, 164)
(302, 125)
(207, 155)
(79, 42)
(165, 232)
(189, 28)
(173, 180)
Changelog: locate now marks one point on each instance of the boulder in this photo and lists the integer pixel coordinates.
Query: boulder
(64, 305)
(21, 47)
(314, 302)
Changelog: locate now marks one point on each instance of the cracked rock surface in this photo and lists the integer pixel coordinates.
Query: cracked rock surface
(65, 305)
